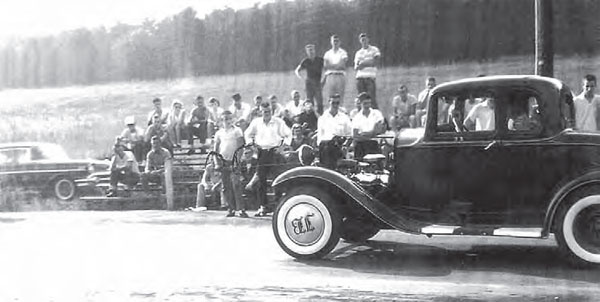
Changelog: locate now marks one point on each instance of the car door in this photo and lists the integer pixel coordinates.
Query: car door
(453, 170)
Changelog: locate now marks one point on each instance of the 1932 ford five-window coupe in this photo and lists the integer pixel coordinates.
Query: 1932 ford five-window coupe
(497, 157)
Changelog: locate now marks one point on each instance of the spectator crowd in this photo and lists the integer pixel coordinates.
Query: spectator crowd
(273, 128)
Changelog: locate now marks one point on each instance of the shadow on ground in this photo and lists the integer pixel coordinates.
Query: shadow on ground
(392, 258)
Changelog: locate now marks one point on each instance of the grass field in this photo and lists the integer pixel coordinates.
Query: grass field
(86, 119)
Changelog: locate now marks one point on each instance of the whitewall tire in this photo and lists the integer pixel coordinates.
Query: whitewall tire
(578, 232)
(306, 224)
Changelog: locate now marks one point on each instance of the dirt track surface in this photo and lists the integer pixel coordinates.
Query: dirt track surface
(184, 256)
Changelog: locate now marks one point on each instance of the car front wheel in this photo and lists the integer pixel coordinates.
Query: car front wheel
(306, 224)
(578, 231)
(64, 189)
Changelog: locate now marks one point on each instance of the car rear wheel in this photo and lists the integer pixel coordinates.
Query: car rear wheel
(306, 224)
(578, 229)
(64, 188)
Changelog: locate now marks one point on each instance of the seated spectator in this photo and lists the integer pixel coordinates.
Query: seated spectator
(133, 138)
(332, 123)
(292, 109)
(176, 122)
(367, 124)
(214, 115)
(240, 111)
(155, 164)
(198, 124)
(299, 137)
(308, 117)
(157, 102)
(210, 184)
(159, 130)
(403, 110)
(123, 169)
(256, 110)
(356, 109)
(276, 108)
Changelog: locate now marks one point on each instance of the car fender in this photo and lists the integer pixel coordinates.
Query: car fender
(586, 179)
(351, 190)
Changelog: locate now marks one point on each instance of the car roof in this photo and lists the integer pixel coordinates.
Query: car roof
(499, 80)
(24, 145)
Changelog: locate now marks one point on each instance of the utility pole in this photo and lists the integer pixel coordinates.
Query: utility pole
(544, 46)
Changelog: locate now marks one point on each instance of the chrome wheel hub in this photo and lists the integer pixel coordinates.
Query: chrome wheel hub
(304, 224)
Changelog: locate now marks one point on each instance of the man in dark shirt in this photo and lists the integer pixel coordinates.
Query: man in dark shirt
(198, 124)
(308, 119)
(314, 68)
(155, 164)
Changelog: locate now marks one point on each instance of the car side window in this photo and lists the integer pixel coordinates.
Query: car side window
(14, 156)
(469, 115)
(523, 115)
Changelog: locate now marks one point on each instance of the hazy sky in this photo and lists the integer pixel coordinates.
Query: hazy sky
(39, 17)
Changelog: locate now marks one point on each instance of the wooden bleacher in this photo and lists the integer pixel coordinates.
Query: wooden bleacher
(187, 172)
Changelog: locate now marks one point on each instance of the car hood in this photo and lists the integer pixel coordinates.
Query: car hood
(580, 137)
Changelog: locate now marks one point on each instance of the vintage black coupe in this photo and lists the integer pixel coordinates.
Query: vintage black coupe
(497, 157)
(43, 167)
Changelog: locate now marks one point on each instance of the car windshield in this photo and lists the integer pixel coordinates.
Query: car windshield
(49, 151)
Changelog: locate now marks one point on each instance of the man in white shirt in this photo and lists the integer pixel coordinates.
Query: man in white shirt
(133, 138)
(423, 100)
(292, 109)
(366, 61)
(482, 116)
(332, 123)
(228, 140)
(586, 105)
(123, 168)
(366, 124)
(269, 134)
(335, 60)
(240, 111)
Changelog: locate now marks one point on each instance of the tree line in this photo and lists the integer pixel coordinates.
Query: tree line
(272, 38)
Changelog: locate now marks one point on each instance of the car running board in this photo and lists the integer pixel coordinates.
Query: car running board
(482, 231)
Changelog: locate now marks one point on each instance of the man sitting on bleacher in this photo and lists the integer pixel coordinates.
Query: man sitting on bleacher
(123, 169)
(155, 164)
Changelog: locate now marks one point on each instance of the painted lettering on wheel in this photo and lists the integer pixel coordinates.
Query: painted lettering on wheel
(302, 224)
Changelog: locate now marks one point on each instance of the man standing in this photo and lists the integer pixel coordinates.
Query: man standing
(155, 164)
(366, 124)
(332, 123)
(423, 100)
(269, 134)
(228, 140)
(335, 60)
(314, 68)
(586, 105)
(366, 61)
(123, 168)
